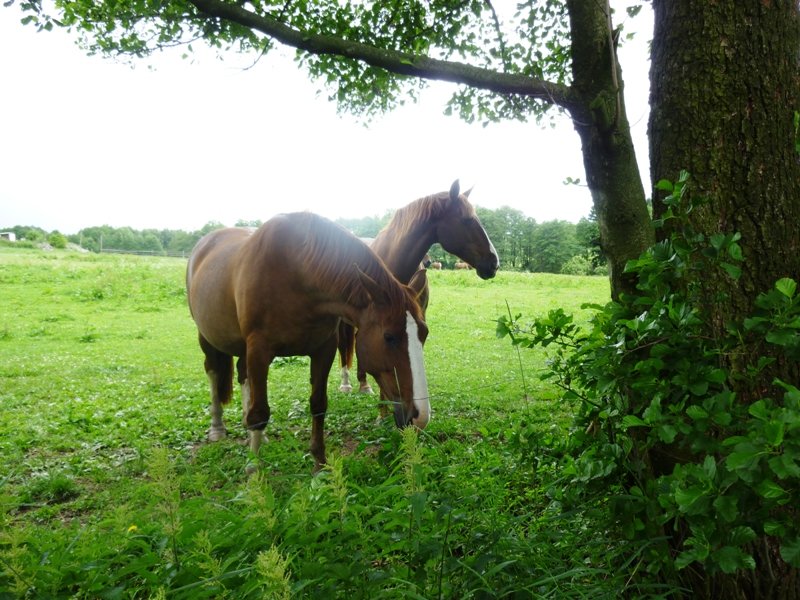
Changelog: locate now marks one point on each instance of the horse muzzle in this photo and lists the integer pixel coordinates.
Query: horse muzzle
(404, 417)
(486, 269)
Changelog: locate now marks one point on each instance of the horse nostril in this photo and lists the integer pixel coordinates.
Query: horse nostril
(403, 417)
(487, 270)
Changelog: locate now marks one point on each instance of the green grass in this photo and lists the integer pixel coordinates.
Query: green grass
(108, 488)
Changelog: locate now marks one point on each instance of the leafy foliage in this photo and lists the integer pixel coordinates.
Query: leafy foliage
(661, 424)
(531, 40)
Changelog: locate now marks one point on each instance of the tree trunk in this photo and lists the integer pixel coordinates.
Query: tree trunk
(724, 91)
(608, 154)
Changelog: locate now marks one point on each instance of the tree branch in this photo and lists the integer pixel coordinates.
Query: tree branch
(401, 63)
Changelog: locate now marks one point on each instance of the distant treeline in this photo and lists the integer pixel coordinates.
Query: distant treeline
(522, 243)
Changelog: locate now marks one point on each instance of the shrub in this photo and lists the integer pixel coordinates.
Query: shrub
(57, 240)
(659, 429)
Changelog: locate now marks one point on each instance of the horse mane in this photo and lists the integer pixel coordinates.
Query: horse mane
(331, 254)
(426, 209)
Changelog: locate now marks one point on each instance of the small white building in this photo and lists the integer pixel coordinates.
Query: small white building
(8, 235)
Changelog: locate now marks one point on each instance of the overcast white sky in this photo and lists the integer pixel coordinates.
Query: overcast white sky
(87, 141)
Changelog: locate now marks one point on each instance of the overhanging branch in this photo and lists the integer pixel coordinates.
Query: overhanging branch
(394, 61)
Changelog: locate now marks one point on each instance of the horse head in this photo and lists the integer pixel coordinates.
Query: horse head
(464, 236)
(391, 333)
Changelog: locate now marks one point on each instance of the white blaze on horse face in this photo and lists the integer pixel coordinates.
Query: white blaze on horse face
(418, 378)
(494, 251)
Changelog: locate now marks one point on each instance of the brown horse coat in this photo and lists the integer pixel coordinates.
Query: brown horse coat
(281, 291)
(446, 218)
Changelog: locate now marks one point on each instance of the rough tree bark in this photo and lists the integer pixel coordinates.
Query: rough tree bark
(724, 91)
(609, 159)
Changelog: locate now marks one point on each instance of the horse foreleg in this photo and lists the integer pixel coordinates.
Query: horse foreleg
(254, 390)
(321, 362)
(363, 385)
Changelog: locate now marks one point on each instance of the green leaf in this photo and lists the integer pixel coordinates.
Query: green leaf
(667, 433)
(786, 286)
(699, 388)
(665, 185)
(717, 376)
(772, 527)
(784, 466)
(696, 412)
(790, 551)
(759, 410)
(686, 558)
(781, 337)
(689, 500)
(770, 490)
(744, 456)
(710, 467)
(727, 508)
(735, 252)
(773, 432)
(632, 421)
(742, 535)
(730, 559)
(733, 271)
(418, 502)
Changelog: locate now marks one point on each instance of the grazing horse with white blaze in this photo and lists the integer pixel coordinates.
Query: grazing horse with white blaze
(446, 218)
(282, 290)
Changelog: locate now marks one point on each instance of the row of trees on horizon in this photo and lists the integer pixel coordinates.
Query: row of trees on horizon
(522, 243)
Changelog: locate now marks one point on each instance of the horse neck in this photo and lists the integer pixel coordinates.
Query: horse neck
(403, 251)
(340, 295)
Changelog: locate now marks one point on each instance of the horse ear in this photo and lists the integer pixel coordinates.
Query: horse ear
(467, 193)
(419, 282)
(376, 293)
(455, 189)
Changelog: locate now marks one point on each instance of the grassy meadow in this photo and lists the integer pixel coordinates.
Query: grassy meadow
(109, 489)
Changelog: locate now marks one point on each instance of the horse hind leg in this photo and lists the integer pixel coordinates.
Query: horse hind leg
(346, 342)
(219, 370)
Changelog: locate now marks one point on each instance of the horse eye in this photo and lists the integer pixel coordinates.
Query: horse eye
(391, 340)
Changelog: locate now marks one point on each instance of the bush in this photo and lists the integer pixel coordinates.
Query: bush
(580, 264)
(660, 431)
(57, 240)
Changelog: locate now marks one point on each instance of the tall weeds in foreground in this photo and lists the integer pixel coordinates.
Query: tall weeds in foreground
(166, 488)
(13, 550)
(273, 571)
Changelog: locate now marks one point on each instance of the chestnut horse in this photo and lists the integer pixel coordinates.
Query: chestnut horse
(282, 290)
(447, 218)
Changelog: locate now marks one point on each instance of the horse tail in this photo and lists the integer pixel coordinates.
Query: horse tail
(347, 342)
(225, 380)
(221, 366)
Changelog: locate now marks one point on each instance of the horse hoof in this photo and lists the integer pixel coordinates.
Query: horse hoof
(251, 467)
(366, 389)
(346, 388)
(215, 434)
